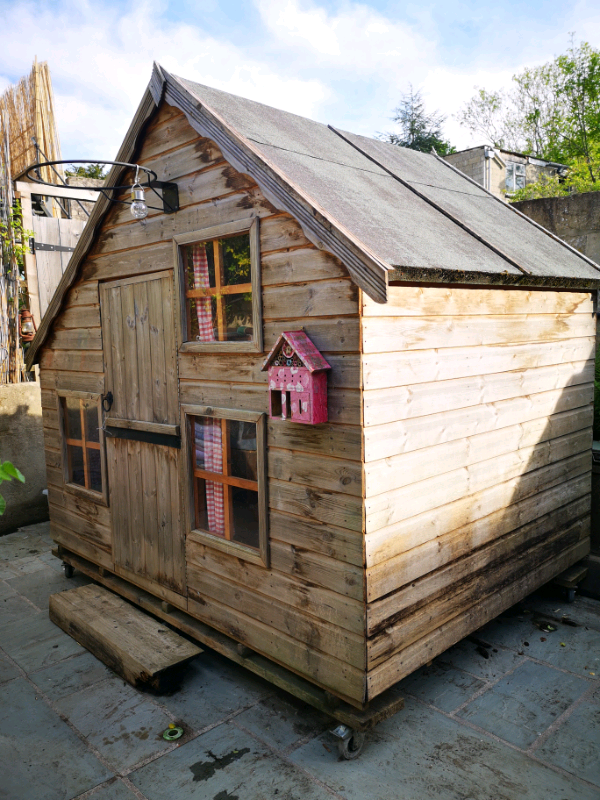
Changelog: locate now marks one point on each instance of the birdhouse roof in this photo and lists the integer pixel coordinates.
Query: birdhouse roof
(304, 349)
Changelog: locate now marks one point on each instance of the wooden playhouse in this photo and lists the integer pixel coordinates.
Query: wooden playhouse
(446, 472)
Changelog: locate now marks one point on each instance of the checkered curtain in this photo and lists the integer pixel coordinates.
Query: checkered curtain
(209, 444)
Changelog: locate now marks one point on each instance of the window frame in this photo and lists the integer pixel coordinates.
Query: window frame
(512, 167)
(260, 556)
(76, 488)
(251, 226)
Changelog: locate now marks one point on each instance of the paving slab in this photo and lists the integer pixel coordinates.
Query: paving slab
(524, 704)
(421, 754)
(442, 685)
(124, 725)
(212, 689)
(281, 720)
(72, 675)
(47, 759)
(225, 764)
(575, 745)
(6, 590)
(8, 671)
(38, 586)
(33, 641)
(14, 608)
(114, 789)
(466, 656)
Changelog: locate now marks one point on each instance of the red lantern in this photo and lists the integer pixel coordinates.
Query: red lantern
(27, 326)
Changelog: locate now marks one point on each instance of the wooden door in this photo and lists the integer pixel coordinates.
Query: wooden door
(142, 429)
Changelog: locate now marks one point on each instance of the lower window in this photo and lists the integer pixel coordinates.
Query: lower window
(81, 425)
(227, 471)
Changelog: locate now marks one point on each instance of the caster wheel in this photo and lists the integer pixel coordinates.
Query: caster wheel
(68, 570)
(570, 595)
(352, 746)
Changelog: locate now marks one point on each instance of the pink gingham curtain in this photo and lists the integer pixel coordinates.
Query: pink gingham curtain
(209, 442)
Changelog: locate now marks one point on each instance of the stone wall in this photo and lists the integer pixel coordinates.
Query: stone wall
(470, 162)
(22, 442)
(576, 219)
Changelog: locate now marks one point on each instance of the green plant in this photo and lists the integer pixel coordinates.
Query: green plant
(91, 171)
(7, 472)
(14, 239)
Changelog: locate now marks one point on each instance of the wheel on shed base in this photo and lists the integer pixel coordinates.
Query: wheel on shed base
(350, 742)
(68, 570)
(570, 595)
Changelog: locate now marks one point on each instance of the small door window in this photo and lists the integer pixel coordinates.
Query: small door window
(83, 445)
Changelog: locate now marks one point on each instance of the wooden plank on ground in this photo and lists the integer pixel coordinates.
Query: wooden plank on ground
(133, 644)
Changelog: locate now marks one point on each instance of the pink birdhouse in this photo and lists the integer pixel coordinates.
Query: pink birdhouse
(297, 380)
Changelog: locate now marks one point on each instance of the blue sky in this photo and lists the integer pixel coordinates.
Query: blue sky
(344, 63)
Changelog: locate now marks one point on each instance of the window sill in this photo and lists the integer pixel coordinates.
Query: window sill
(89, 494)
(231, 548)
(220, 347)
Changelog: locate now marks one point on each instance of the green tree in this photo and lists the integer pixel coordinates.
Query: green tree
(89, 171)
(419, 130)
(7, 473)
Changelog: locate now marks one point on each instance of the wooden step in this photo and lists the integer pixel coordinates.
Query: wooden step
(573, 576)
(143, 651)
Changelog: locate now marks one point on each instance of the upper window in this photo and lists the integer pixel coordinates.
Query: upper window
(227, 466)
(220, 288)
(81, 423)
(515, 176)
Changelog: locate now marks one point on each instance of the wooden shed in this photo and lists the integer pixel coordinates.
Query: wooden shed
(452, 476)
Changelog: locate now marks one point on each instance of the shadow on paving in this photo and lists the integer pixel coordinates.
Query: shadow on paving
(513, 712)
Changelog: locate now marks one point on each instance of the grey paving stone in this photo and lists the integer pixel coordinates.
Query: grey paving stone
(122, 723)
(6, 589)
(38, 586)
(442, 685)
(7, 670)
(420, 754)
(114, 790)
(71, 675)
(14, 608)
(213, 688)
(465, 656)
(24, 543)
(34, 642)
(6, 571)
(46, 759)
(281, 720)
(25, 566)
(224, 764)
(575, 745)
(584, 611)
(53, 561)
(523, 705)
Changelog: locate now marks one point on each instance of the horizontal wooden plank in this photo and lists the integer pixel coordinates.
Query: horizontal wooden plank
(383, 441)
(324, 604)
(319, 505)
(154, 258)
(338, 543)
(83, 293)
(95, 513)
(411, 579)
(315, 299)
(281, 232)
(343, 405)
(334, 334)
(406, 402)
(80, 526)
(428, 647)
(403, 536)
(339, 441)
(511, 559)
(396, 505)
(299, 266)
(75, 339)
(93, 551)
(385, 370)
(393, 334)
(331, 474)
(169, 130)
(454, 301)
(72, 360)
(315, 634)
(324, 670)
(75, 381)
(330, 573)
(140, 425)
(78, 317)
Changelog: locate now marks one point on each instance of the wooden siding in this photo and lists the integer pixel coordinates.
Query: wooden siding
(477, 435)
(307, 610)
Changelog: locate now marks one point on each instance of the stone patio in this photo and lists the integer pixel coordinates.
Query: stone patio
(511, 714)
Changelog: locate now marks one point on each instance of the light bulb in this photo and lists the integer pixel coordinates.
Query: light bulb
(138, 208)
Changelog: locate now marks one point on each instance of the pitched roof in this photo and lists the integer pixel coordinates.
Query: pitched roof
(386, 212)
(303, 347)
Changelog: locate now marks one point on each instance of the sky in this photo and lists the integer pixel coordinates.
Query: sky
(343, 63)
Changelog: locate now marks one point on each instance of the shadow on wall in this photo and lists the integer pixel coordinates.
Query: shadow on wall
(22, 442)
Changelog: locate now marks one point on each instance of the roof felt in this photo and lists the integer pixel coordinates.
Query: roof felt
(402, 204)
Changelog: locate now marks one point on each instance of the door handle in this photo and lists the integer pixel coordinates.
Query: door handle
(107, 401)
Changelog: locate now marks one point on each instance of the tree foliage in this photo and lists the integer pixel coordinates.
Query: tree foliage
(419, 130)
(7, 472)
(552, 112)
(89, 171)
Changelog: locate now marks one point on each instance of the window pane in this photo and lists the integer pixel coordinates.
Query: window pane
(236, 259)
(72, 417)
(94, 470)
(245, 517)
(242, 449)
(92, 432)
(208, 444)
(210, 507)
(76, 471)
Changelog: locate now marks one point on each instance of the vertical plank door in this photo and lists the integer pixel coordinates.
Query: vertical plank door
(142, 433)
